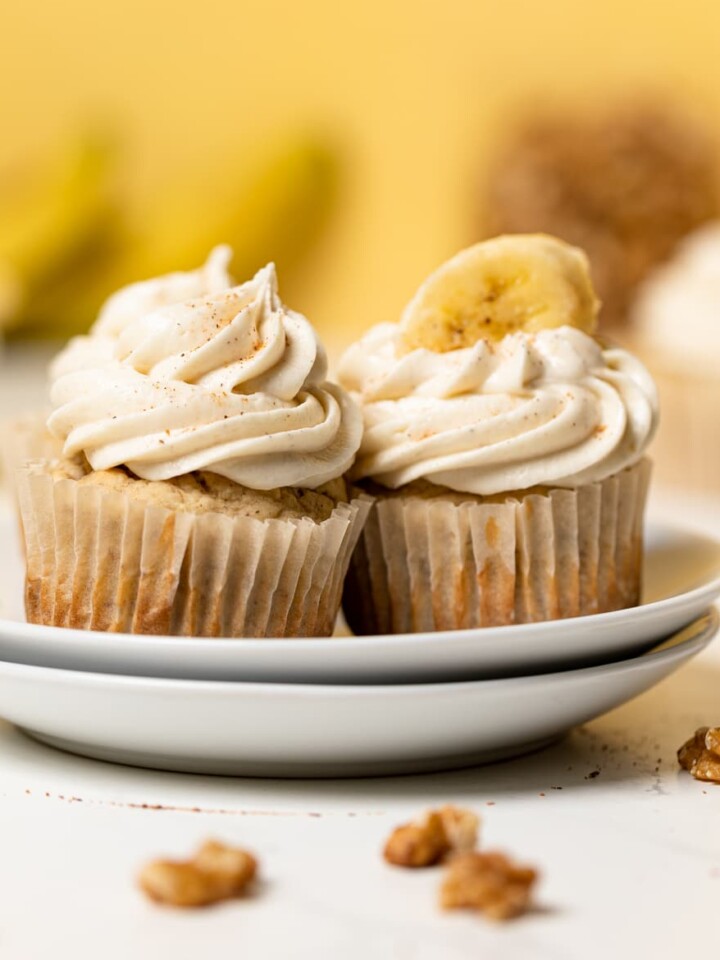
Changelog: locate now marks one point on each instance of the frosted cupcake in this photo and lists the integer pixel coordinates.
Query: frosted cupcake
(201, 487)
(677, 319)
(504, 446)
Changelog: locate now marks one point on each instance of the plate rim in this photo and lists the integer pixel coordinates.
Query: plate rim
(705, 628)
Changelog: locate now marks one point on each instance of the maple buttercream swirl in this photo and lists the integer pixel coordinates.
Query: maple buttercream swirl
(549, 408)
(188, 373)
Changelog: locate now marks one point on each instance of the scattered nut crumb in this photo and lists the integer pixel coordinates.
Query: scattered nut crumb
(691, 751)
(461, 827)
(488, 882)
(428, 840)
(420, 844)
(712, 740)
(217, 872)
(701, 754)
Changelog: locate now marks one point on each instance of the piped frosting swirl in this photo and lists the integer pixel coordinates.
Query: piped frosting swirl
(187, 372)
(547, 408)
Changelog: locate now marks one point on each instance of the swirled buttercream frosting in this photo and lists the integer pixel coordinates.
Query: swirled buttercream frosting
(547, 408)
(188, 372)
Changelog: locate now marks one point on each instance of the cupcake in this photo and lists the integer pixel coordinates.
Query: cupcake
(201, 486)
(504, 447)
(676, 325)
(627, 185)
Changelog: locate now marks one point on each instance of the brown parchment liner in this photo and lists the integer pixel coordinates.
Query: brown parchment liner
(430, 564)
(99, 560)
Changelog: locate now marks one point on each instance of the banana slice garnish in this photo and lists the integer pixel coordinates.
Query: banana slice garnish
(526, 282)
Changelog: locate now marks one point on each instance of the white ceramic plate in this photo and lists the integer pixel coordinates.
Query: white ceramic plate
(290, 730)
(682, 578)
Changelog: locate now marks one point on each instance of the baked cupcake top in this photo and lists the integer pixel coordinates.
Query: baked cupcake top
(677, 309)
(493, 380)
(188, 372)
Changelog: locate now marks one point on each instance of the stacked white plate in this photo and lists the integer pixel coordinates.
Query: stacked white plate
(348, 706)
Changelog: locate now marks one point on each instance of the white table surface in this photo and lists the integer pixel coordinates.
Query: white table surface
(628, 845)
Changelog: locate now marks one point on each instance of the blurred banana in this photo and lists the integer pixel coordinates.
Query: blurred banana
(10, 294)
(52, 217)
(526, 282)
(270, 207)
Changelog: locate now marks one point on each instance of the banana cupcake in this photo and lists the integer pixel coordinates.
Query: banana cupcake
(504, 446)
(201, 489)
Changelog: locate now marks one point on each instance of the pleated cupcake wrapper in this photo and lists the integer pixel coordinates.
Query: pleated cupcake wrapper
(25, 438)
(98, 559)
(430, 564)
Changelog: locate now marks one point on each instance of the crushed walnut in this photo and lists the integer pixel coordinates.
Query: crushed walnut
(216, 872)
(701, 754)
(428, 840)
(488, 882)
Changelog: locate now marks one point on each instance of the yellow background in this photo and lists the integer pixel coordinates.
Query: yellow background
(413, 93)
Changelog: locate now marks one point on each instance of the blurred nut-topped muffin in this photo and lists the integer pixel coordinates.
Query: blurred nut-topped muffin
(625, 185)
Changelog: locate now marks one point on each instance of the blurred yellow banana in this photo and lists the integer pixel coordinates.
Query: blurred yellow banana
(269, 207)
(53, 216)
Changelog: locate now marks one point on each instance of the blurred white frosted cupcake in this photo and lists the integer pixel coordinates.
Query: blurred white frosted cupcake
(504, 446)
(677, 319)
(201, 489)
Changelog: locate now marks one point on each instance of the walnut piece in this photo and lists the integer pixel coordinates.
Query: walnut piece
(488, 882)
(461, 828)
(701, 754)
(215, 873)
(428, 840)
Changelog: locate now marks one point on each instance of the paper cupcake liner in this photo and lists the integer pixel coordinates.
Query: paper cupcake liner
(100, 560)
(431, 564)
(23, 439)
